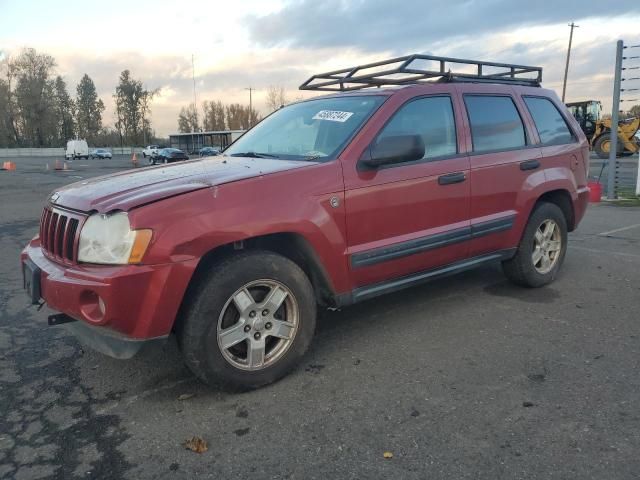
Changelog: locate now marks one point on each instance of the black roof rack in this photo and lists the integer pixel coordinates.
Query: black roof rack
(418, 68)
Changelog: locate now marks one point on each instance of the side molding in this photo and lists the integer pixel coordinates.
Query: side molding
(430, 242)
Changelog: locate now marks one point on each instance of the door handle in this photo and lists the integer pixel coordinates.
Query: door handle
(450, 178)
(529, 165)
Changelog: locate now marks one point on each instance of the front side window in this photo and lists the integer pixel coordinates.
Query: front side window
(495, 123)
(315, 129)
(431, 118)
(552, 128)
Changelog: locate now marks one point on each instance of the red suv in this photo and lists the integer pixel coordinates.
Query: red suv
(328, 201)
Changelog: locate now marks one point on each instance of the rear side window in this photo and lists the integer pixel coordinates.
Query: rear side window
(495, 123)
(552, 128)
(430, 117)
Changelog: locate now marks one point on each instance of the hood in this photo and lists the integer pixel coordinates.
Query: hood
(131, 188)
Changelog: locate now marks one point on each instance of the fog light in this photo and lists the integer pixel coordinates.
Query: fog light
(92, 306)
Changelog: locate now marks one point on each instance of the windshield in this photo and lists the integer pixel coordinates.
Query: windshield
(315, 129)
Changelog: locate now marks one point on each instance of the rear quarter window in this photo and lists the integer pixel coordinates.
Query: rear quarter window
(552, 127)
(495, 123)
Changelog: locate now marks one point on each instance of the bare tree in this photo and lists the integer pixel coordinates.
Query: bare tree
(276, 97)
(240, 117)
(188, 119)
(213, 115)
(33, 96)
(132, 108)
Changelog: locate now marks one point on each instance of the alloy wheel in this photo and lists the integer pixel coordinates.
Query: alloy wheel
(257, 324)
(547, 245)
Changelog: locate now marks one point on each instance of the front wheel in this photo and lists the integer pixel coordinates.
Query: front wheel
(602, 146)
(249, 321)
(541, 250)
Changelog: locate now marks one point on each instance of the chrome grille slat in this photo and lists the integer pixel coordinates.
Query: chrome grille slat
(59, 230)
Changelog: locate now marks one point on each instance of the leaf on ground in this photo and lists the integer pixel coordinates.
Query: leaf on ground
(196, 444)
(387, 455)
(186, 396)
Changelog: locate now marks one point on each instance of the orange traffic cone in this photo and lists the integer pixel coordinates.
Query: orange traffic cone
(134, 159)
(8, 166)
(57, 166)
(64, 166)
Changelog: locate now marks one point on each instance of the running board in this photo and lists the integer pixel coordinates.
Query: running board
(376, 289)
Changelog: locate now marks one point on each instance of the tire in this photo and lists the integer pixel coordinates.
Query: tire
(211, 304)
(521, 269)
(602, 140)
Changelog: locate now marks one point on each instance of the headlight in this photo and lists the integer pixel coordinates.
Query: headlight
(108, 239)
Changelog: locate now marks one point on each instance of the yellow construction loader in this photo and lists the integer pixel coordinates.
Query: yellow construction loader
(598, 130)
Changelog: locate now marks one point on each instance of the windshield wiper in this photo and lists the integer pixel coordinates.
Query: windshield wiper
(253, 155)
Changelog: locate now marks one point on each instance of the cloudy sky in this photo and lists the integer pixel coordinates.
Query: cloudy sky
(257, 43)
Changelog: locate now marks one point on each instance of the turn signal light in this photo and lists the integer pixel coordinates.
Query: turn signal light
(140, 244)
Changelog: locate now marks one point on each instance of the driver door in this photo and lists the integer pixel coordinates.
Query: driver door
(409, 217)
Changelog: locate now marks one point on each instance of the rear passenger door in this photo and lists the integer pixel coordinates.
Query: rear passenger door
(503, 156)
(412, 216)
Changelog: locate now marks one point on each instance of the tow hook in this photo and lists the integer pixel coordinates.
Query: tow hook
(59, 319)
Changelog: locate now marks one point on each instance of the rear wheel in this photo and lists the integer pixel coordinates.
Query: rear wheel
(249, 322)
(541, 250)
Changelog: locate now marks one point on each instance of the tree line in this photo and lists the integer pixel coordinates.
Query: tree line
(37, 110)
(217, 116)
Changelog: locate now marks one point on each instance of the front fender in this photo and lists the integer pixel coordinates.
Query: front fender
(301, 201)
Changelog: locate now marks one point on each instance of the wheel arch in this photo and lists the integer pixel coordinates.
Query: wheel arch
(291, 245)
(562, 198)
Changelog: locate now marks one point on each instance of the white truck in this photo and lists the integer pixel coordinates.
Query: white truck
(150, 151)
(77, 149)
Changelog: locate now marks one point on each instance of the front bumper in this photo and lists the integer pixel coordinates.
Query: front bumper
(117, 308)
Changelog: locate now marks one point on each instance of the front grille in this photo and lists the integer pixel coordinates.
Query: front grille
(59, 234)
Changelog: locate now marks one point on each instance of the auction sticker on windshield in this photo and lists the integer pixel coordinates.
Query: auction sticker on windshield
(332, 115)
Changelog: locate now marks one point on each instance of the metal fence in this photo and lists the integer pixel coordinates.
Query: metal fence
(626, 173)
(59, 152)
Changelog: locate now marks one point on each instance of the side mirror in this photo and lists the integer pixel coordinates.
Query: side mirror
(394, 149)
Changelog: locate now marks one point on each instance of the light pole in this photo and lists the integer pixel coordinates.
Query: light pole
(195, 105)
(566, 67)
(251, 89)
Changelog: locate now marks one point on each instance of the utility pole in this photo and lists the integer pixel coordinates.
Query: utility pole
(250, 104)
(615, 109)
(566, 67)
(195, 105)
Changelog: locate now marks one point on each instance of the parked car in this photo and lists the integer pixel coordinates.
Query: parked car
(150, 151)
(100, 153)
(329, 201)
(209, 151)
(168, 155)
(77, 149)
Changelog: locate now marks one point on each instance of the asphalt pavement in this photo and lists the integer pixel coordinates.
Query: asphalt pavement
(466, 378)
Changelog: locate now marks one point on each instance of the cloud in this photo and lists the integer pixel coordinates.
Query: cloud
(412, 25)
(285, 44)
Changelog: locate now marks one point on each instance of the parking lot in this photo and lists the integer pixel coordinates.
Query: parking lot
(469, 377)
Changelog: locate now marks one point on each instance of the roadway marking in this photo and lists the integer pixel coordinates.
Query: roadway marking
(621, 229)
(595, 250)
